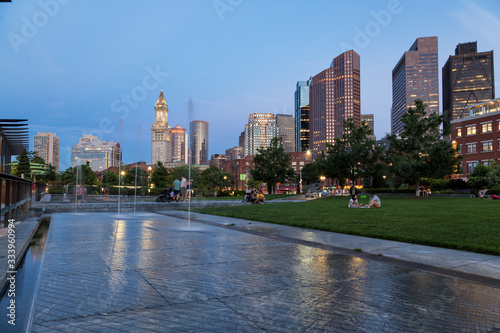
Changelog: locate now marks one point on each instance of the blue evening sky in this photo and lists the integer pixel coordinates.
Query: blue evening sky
(77, 67)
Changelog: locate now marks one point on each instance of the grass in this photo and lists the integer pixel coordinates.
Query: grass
(455, 223)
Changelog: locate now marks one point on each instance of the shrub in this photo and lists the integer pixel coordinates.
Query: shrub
(388, 190)
(440, 184)
(56, 190)
(495, 190)
(448, 191)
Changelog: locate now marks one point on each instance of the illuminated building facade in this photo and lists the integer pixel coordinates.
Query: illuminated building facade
(477, 137)
(259, 132)
(302, 115)
(161, 147)
(415, 77)
(335, 95)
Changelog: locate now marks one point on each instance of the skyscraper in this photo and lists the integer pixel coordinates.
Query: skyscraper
(161, 148)
(415, 76)
(467, 80)
(179, 145)
(199, 141)
(259, 131)
(302, 115)
(334, 96)
(286, 124)
(369, 120)
(100, 154)
(47, 146)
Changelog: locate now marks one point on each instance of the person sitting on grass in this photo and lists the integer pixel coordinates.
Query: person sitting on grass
(374, 201)
(260, 197)
(353, 202)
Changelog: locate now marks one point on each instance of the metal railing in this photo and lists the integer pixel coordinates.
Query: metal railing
(15, 197)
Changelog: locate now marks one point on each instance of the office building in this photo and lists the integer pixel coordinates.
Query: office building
(218, 160)
(369, 120)
(47, 146)
(161, 145)
(477, 136)
(100, 154)
(334, 97)
(199, 142)
(467, 80)
(415, 76)
(235, 153)
(302, 115)
(286, 125)
(179, 144)
(259, 132)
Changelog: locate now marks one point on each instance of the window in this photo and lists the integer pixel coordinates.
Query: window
(488, 127)
(488, 146)
(471, 130)
(459, 149)
(471, 166)
(471, 148)
(459, 132)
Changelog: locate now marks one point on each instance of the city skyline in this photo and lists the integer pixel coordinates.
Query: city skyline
(107, 83)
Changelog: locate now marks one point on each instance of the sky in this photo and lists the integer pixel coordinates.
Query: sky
(97, 67)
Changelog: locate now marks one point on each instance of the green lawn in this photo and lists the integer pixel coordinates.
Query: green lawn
(456, 223)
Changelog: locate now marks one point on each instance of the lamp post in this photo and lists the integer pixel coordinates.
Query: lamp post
(149, 178)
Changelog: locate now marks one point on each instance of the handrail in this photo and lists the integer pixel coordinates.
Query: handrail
(15, 197)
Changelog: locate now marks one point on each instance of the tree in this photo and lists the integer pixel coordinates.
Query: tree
(420, 150)
(86, 176)
(142, 177)
(109, 178)
(310, 173)
(23, 168)
(215, 179)
(351, 156)
(272, 165)
(159, 177)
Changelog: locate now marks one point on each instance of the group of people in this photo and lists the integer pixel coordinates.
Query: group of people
(374, 202)
(256, 197)
(424, 191)
(180, 189)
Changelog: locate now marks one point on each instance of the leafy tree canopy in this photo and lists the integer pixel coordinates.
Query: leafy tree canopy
(420, 150)
(272, 165)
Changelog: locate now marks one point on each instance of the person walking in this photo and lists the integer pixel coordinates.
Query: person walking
(183, 188)
(177, 188)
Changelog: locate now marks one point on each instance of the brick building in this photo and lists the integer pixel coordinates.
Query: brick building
(477, 137)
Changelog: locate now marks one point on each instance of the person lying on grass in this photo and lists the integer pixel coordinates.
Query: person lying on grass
(374, 201)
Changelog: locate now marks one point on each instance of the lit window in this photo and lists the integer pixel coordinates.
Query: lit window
(488, 127)
(488, 146)
(459, 132)
(471, 130)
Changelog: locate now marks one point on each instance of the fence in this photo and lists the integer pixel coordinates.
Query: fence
(15, 197)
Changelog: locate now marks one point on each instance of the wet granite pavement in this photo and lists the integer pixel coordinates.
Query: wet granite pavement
(153, 272)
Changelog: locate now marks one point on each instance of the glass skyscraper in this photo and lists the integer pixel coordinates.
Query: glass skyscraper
(259, 131)
(198, 130)
(415, 76)
(302, 115)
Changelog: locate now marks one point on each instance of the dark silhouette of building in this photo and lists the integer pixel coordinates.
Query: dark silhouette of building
(467, 80)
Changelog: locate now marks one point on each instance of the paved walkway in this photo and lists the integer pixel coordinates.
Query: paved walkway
(153, 272)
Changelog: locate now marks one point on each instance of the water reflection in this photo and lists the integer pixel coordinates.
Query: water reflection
(25, 287)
